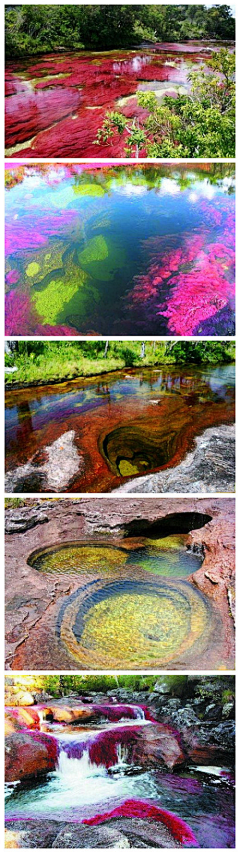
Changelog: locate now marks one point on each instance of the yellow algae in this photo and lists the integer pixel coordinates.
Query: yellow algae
(32, 269)
(81, 558)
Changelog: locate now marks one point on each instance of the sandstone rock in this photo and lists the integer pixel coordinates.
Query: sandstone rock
(228, 710)
(54, 471)
(25, 698)
(24, 519)
(27, 758)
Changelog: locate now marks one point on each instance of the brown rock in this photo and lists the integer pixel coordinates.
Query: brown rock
(156, 743)
(26, 758)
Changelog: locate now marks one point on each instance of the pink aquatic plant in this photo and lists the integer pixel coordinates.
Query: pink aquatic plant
(17, 313)
(63, 331)
(194, 281)
(12, 277)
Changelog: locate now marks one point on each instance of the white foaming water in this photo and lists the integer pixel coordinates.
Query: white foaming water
(79, 768)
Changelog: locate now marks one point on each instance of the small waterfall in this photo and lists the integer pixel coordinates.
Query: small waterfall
(78, 768)
(139, 713)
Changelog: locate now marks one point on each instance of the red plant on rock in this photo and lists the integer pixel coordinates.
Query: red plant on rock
(142, 809)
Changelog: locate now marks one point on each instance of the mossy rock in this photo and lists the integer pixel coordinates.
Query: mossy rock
(101, 258)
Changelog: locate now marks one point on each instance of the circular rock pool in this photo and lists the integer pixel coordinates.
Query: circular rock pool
(129, 623)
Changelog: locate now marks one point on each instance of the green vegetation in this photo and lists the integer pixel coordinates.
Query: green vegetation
(219, 687)
(198, 124)
(34, 29)
(45, 361)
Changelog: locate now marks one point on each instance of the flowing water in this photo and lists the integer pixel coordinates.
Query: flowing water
(82, 786)
(92, 435)
(120, 250)
(56, 103)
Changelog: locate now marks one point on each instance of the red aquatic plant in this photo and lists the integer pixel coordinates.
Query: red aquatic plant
(17, 313)
(75, 85)
(142, 809)
(29, 112)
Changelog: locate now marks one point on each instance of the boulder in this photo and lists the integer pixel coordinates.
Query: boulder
(156, 743)
(29, 755)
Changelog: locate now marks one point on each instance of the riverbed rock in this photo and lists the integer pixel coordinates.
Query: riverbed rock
(210, 467)
(157, 744)
(24, 519)
(27, 758)
(53, 469)
(90, 836)
(31, 833)
(120, 833)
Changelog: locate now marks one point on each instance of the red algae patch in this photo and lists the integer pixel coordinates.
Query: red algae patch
(56, 86)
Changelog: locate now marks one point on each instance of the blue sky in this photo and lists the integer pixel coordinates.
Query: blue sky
(232, 6)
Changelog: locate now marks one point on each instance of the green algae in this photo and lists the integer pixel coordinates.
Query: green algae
(94, 190)
(46, 261)
(168, 543)
(101, 258)
(32, 269)
(96, 250)
(49, 302)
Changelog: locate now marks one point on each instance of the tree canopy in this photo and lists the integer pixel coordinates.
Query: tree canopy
(32, 29)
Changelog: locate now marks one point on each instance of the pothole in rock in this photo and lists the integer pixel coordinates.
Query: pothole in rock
(131, 450)
(130, 623)
(167, 556)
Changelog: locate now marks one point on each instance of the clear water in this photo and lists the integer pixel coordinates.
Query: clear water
(85, 247)
(168, 557)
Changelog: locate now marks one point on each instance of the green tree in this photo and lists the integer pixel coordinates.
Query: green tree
(199, 124)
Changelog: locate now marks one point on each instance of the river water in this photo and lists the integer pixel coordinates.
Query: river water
(135, 250)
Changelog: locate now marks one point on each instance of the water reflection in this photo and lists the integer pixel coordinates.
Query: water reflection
(120, 250)
(130, 422)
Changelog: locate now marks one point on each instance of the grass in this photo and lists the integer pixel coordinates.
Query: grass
(49, 362)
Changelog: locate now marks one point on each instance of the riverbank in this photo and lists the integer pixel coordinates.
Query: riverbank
(49, 363)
